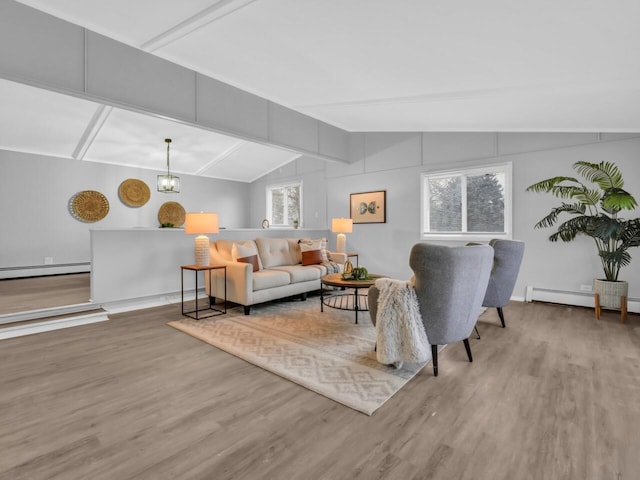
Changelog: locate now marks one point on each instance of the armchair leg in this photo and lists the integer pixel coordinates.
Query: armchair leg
(247, 309)
(477, 332)
(501, 314)
(434, 355)
(468, 349)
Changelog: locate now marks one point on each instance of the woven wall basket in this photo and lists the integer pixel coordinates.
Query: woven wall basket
(171, 212)
(89, 206)
(134, 192)
(610, 292)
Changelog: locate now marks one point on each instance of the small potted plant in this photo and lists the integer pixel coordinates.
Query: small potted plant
(296, 224)
(593, 210)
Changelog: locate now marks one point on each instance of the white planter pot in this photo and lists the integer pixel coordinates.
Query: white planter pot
(611, 292)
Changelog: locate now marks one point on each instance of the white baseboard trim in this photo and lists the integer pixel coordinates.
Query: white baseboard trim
(47, 312)
(43, 270)
(139, 303)
(580, 299)
(33, 328)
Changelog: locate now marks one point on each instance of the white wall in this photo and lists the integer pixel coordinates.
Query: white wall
(151, 258)
(36, 221)
(394, 161)
(314, 197)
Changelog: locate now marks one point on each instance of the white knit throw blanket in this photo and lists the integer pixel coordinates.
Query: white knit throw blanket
(400, 332)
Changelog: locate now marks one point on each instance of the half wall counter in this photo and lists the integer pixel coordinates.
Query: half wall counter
(134, 268)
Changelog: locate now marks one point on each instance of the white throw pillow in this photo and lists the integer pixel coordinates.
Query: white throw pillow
(311, 254)
(245, 249)
(323, 250)
(319, 244)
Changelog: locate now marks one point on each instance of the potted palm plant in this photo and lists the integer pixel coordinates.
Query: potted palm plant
(593, 211)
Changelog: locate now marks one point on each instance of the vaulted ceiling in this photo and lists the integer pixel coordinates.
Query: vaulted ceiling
(364, 65)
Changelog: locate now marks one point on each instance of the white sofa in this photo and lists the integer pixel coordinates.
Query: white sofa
(280, 272)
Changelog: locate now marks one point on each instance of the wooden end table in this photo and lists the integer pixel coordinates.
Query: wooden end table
(357, 302)
(211, 310)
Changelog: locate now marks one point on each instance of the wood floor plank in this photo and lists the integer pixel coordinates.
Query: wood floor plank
(34, 293)
(553, 395)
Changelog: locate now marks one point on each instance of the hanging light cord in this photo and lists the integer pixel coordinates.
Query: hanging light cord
(168, 140)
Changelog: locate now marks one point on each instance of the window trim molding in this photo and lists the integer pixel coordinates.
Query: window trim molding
(268, 202)
(507, 167)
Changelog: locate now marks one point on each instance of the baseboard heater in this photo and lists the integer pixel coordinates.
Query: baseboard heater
(580, 299)
(40, 270)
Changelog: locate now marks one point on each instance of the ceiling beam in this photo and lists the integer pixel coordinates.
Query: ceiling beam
(210, 14)
(91, 131)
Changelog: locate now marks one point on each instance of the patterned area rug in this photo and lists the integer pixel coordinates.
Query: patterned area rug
(324, 352)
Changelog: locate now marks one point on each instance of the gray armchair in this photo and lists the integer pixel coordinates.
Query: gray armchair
(450, 283)
(507, 259)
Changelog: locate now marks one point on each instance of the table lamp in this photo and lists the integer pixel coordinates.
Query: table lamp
(199, 224)
(341, 226)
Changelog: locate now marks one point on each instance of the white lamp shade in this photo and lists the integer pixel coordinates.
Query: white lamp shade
(342, 225)
(199, 223)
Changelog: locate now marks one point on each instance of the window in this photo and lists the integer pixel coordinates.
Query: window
(467, 204)
(284, 204)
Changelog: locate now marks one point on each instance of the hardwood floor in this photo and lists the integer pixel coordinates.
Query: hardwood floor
(555, 395)
(33, 293)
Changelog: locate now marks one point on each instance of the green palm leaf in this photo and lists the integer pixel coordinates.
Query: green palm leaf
(594, 212)
(589, 197)
(606, 228)
(551, 219)
(568, 230)
(605, 174)
(616, 199)
(617, 257)
(630, 236)
(551, 185)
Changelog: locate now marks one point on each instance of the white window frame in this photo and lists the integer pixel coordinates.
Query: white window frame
(505, 168)
(269, 203)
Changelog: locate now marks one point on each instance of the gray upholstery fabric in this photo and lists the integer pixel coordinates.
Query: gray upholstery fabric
(506, 265)
(450, 283)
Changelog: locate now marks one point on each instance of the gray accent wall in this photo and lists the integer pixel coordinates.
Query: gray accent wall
(43, 51)
(314, 185)
(36, 191)
(394, 162)
(40, 50)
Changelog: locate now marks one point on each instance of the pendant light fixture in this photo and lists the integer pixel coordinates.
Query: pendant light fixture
(168, 183)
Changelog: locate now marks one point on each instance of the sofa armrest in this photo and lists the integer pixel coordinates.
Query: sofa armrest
(340, 258)
(240, 282)
(239, 279)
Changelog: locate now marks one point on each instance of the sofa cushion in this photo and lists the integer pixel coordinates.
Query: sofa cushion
(252, 259)
(320, 268)
(323, 249)
(294, 250)
(264, 279)
(245, 249)
(320, 243)
(224, 248)
(311, 253)
(274, 252)
(298, 273)
(311, 257)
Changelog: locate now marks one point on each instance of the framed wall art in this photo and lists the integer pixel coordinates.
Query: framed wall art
(369, 207)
